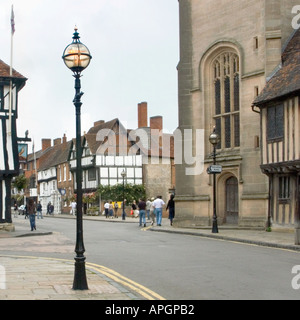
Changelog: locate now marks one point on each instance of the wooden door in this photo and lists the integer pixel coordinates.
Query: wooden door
(232, 201)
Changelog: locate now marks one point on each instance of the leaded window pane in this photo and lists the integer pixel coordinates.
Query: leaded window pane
(218, 131)
(279, 121)
(271, 123)
(236, 130)
(275, 122)
(218, 96)
(227, 132)
(227, 94)
(284, 187)
(236, 92)
(227, 99)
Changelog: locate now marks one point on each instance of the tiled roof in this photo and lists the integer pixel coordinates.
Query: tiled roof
(35, 155)
(55, 155)
(132, 139)
(286, 80)
(91, 136)
(5, 71)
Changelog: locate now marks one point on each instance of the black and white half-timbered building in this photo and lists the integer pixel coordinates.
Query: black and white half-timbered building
(9, 159)
(279, 108)
(106, 152)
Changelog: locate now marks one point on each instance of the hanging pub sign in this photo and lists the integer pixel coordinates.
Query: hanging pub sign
(23, 152)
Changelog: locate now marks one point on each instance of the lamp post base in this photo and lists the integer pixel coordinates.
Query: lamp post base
(80, 282)
(215, 227)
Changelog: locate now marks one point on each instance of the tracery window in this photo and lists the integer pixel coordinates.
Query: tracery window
(227, 99)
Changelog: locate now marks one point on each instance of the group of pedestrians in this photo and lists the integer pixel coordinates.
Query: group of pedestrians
(154, 208)
(32, 210)
(111, 210)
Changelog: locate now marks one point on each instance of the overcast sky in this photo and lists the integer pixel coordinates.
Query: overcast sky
(135, 50)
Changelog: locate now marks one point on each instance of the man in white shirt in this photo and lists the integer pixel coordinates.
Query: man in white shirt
(106, 207)
(158, 204)
(73, 208)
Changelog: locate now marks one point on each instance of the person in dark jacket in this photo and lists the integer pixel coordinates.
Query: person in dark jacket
(171, 207)
(39, 210)
(31, 213)
(142, 208)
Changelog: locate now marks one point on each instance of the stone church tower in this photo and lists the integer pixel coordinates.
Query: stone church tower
(228, 49)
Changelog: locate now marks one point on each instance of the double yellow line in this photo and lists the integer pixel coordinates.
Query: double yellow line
(115, 276)
(143, 291)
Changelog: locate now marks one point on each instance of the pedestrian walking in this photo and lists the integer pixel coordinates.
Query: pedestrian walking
(158, 204)
(148, 206)
(152, 212)
(39, 210)
(171, 208)
(73, 208)
(48, 208)
(133, 209)
(106, 208)
(31, 213)
(142, 209)
(116, 207)
(111, 209)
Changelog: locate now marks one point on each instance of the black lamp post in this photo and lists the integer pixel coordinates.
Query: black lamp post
(214, 139)
(123, 174)
(77, 57)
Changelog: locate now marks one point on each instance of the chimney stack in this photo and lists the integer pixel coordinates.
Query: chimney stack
(56, 141)
(64, 139)
(46, 143)
(142, 115)
(156, 123)
(156, 126)
(97, 123)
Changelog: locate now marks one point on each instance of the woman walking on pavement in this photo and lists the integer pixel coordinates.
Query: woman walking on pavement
(31, 212)
(171, 207)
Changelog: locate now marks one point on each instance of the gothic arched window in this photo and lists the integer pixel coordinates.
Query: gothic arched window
(227, 99)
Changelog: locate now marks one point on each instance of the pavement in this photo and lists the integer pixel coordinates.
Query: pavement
(44, 278)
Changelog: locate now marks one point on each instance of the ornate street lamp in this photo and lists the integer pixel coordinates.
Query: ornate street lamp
(77, 57)
(123, 174)
(214, 139)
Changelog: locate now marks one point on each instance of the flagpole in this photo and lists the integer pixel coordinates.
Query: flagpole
(12, 22)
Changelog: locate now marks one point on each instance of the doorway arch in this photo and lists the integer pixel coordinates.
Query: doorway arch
(231, 201)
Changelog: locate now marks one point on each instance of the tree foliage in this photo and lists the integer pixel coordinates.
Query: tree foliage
(115, 193)
(20, 182)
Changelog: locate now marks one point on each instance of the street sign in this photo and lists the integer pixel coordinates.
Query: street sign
(215, 168)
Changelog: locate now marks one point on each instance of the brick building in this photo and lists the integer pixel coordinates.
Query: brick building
(146, 154)
(109, 148)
